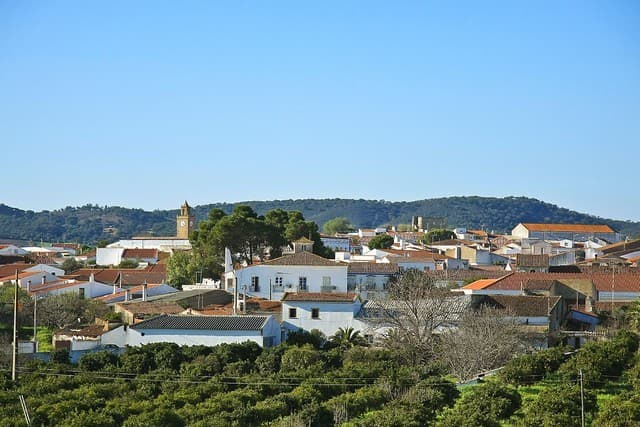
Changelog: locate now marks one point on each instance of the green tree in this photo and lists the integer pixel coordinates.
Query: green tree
(128, 263)
(337, 225)
(484, 406)
(345, 338)
(70, 264)
(58, 311)
(437, 235)
(622, 410)
(381, 241)
(558, 406)
(181, 269)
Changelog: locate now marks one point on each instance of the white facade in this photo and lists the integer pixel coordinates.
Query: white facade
(337, 243)
(164, 245)
(48, 268)
(109, 256)
(272, 281)
(12, 250)
(124, 336)
(90, 289)
(330, 316)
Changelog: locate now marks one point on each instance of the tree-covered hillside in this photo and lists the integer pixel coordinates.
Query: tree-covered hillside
(89, 223)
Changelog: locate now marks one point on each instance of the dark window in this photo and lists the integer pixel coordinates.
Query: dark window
(255, 283)
(315, 313)
(293, 313)
(81, 293)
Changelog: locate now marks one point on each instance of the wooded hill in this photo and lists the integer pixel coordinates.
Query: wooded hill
(89, 223)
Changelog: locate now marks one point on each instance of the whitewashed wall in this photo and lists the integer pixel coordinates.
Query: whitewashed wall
(332, 316)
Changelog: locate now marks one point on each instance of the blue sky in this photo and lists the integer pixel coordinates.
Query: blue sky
(145, 104)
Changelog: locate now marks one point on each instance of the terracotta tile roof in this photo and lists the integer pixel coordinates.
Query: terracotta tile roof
(320, 297)
(621, 246)
(150, 307)
(528, 260)
(569, 228)
(101, 275)
(53, 286)
(603, 282)
(372, 268)
(22, 275)
(140, 253)
(522, 305)
(481, 233)
(302, 258)
(130, 278)
(10, 269)
(92, 331)
(480, 284)
(156, 268)
(416, 254)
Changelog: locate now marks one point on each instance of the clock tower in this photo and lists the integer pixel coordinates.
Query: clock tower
(185, 222)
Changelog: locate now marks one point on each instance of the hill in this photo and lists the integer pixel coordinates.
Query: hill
(90, 223)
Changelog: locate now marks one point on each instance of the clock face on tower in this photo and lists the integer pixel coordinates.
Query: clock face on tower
(182, 223)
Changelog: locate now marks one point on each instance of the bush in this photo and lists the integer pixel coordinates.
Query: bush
(530, 368)
(97, 361)
(558, 406)
(621, 411)
(485, 405)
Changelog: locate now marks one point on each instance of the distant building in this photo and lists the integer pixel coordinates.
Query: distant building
(573, 232)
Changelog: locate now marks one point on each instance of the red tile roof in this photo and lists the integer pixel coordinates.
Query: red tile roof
(480, 284)
(302, 258)
(9, 269)
(603, 282)
(569, 228)
(140, 253)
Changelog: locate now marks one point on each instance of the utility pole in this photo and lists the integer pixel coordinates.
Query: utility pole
(581, 399)
(14, 359)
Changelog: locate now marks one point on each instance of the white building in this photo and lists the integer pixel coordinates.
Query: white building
(197, 330)
(12, 250)
(324, 312)
(298, 272)
(337, 244)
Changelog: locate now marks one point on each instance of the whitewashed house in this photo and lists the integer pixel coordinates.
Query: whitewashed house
(298, 272)
(197, 330)
(12, 250)
(324, 312)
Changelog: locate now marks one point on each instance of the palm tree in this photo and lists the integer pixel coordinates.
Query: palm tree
(347, 338)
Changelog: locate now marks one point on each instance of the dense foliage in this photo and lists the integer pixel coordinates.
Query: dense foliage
(227, 385)
(311, 381)
(90, 223)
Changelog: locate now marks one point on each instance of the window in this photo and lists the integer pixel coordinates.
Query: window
(278, 282)
(302, 283)
(315, 313)
(293, 313)
(255, 283)
(81, 293)
(326, 280)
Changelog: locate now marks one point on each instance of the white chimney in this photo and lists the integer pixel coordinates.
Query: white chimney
(144, 292)
(92, 278)
(115, 288)
(127, 295)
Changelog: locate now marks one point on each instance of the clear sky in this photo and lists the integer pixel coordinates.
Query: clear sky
(147, 103)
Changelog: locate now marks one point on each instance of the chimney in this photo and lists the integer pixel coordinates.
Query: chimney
(44, 280)
(144, 291)
(115, 288)
(92, 278)
(28, 285)
(127, 295)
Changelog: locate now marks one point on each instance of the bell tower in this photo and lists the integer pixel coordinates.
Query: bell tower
(185, 222)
